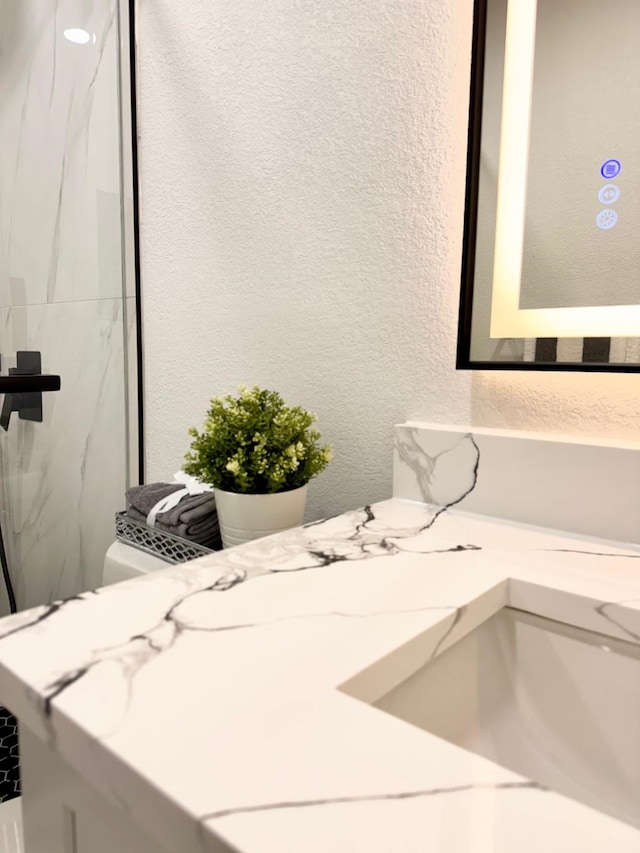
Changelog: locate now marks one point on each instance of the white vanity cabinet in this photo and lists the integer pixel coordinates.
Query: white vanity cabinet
(64, 813)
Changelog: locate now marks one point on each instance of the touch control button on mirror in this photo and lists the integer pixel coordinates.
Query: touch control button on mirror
(606, 219)
(609, 194)
(610, 168)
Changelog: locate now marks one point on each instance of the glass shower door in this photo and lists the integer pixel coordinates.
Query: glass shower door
(67, 292)
(64, 291)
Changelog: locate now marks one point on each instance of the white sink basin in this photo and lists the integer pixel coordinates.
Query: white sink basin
(557, 704)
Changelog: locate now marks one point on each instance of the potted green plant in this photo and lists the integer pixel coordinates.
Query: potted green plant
(259, 455)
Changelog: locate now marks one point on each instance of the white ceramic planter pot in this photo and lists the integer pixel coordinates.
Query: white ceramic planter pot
(246, 517)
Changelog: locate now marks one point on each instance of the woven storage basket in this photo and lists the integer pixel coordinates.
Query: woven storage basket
(171, 548)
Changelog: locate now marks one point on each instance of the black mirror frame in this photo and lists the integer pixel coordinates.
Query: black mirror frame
(465, 314)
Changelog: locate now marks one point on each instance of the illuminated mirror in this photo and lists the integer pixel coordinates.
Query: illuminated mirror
(551, 265)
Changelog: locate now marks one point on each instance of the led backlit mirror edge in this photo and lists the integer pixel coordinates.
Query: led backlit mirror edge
(465, 314)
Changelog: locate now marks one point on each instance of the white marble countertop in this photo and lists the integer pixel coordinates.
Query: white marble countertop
(206, 698)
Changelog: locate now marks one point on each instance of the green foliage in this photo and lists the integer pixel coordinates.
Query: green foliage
(255, 444)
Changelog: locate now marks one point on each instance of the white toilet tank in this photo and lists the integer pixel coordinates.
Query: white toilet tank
(123, 562)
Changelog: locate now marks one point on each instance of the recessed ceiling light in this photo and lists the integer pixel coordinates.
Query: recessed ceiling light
(77, 36)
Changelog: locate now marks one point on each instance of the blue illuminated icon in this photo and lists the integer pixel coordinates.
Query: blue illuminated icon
(610, 168)
(606, 219)
(609, 194)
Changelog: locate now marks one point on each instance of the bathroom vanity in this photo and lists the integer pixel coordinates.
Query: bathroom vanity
(408, 676)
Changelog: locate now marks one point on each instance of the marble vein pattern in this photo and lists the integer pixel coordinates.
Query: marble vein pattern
(262, 645)
(401, 795)
(61, 291)
(58, 495)
(533, 478)
(60, 166)
(445, 471)
(131, 385)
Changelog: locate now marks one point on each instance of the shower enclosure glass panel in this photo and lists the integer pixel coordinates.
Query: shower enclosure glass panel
(66, 288)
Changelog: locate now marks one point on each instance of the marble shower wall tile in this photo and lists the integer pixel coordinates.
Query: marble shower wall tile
(126, 162)
(63, 479)
(131, 379)
(588, 487)
(60, 217)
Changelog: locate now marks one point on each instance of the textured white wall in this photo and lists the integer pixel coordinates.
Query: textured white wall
(302, 189)
(299, 166)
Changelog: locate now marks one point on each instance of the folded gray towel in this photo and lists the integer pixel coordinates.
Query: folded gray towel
(194, 518)
(208, 538)
(190, 510)
(144, 498)
(211, 540)
(202, 528)
(192, 531)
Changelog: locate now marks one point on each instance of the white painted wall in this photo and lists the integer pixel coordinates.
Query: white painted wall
(302, 179)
